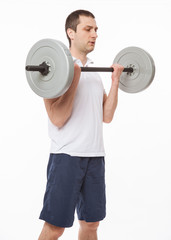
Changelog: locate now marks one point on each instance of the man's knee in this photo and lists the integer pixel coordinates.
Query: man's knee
(54, 231)
(89, 226)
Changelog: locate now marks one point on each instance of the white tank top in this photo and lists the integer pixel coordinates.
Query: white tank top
(82, 134)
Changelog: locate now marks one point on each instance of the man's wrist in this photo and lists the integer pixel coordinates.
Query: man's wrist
(115, 84)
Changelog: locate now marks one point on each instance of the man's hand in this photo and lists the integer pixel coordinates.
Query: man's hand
(118, 69)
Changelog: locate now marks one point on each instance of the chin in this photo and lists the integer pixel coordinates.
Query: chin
(90, 49)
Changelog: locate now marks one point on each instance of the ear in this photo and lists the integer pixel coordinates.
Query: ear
(70, 33)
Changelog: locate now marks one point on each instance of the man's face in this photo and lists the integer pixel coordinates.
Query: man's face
(84, 38)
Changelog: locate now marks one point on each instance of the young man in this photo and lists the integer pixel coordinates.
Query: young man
(76, 168)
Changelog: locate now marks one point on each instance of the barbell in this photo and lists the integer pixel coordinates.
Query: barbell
(50, 68)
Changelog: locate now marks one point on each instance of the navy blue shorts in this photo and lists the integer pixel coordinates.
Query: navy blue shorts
(74, 183)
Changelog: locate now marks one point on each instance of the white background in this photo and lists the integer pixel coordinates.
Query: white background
(137, 142)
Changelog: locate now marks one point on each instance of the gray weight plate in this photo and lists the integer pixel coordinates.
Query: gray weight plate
(144, 69)
(58, 80)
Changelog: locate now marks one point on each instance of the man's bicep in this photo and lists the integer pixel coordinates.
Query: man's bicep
(49, 103)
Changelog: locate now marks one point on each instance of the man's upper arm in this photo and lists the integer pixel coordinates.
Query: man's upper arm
(48, 105)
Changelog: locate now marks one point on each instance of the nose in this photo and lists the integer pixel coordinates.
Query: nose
(94, 34)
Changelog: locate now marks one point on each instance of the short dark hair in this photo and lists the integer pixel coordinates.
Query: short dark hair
(73, 20)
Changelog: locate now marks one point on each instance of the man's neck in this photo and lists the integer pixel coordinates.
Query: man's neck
(79, 55)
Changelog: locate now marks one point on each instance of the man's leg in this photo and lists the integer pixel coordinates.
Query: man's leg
(88, 230)
(51, 232)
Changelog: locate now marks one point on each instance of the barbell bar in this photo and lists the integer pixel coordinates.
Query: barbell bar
(43, 68)
(50, 68)
(103, 69)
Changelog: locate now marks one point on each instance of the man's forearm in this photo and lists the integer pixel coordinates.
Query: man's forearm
(110, 104)
(60, 109)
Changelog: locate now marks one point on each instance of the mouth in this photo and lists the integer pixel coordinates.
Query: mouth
(92, 43)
